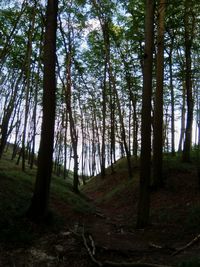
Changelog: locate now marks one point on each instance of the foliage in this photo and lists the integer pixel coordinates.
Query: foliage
(190, 263)
(193, 218)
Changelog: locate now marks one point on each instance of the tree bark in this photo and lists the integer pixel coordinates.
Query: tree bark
(145, 165)
(158, 108)
(39, 205)
(189, 29)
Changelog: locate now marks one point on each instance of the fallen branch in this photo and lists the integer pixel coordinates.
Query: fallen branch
(130, 264)
(155, 246)
(111, 263)
(99, 214)
(191, 243)
(152, 245)
(89, 250)
(93, 245)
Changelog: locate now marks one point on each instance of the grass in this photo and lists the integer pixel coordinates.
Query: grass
(63, 190)
(121, 165)
(116, 191)
(175, 163)
(16, 190)
(15, 195)
(193, 218)
(195, 262)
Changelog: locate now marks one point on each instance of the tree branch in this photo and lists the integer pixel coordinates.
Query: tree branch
(191, 243)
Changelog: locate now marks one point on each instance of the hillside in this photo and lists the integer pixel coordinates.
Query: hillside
(101, 219)
(175, 212)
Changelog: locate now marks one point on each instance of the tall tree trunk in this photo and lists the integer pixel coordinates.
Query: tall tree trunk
(28, 84)
(172, 94)
(73, 133)
(68, 100)
(145, 163)
(158, 108)
(65, 145)
(8, 111)
(39, 205)
(106, 34)
(37, 80)
(183, 113)
(103, 149)
(189, 29)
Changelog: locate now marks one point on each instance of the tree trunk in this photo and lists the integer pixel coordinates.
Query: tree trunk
(183, 113)
(158, 108)
(28, 84)
(189, 29)
(8, 111)
(172, 94)
(145, 165)
(39, 205)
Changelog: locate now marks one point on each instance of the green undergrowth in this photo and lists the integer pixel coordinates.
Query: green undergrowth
(114, 185)
(195, 262)
(116, 192)
(193, 218)
(121, 165)
(64, 191)
(16, 191)
(175, 163)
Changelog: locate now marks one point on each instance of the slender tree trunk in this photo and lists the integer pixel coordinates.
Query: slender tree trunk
(73, 133)
(103, 149)
(135, 128)
(34, 120)
(105, 29)
(68, 99)
(183, 113)
(5, 131)
(158, 108)
(198, 137)
(112, 127)
(17, 133)
(145, 163)
(189, 29)
(172, 96)
(36, 100)
(28, 84)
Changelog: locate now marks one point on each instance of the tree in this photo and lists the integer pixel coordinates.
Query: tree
(8, 110)
(39, 205)
(145, 161)
(189, 24)
(158, 106)
(28, 82)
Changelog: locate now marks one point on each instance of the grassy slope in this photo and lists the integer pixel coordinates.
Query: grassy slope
(16, 190)
(175, 209)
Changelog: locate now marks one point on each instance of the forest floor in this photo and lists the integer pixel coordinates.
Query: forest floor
(102, 232)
